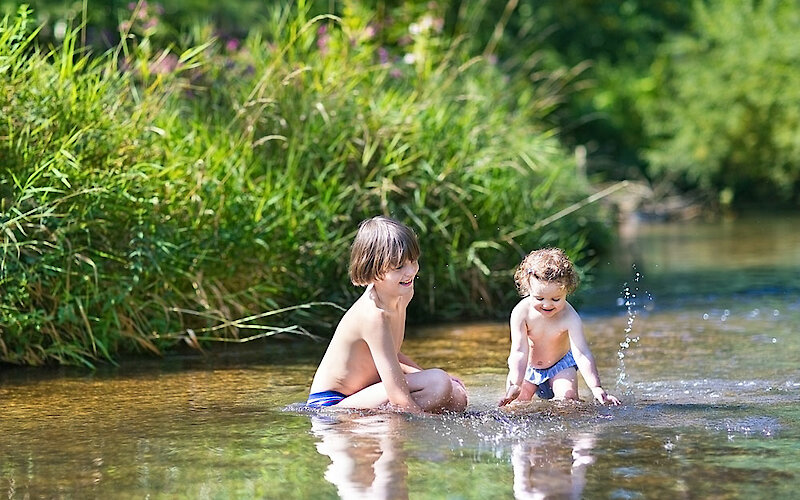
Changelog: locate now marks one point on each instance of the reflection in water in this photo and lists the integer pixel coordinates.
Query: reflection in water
(367, 456)
(546, 468)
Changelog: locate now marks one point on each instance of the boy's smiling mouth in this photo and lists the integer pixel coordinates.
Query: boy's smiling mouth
(407, 283)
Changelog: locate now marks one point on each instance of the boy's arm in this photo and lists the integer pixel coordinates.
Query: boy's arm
(386, 359)
(410, 366)
(585, 361)
(518, 357)
(407, 364)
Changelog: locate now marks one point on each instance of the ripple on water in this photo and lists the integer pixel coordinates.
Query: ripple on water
(718, 391)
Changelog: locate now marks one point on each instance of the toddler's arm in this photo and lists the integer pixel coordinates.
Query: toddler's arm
(586, 365)
(518, 357)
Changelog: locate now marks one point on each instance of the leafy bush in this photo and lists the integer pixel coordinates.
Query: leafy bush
(726, 115)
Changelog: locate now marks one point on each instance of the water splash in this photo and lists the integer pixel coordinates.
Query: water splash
(630, 299)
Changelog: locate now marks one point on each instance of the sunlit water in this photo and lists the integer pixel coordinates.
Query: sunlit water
(694, 326)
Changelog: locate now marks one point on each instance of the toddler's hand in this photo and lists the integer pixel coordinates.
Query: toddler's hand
(511, 394)
(605, 398)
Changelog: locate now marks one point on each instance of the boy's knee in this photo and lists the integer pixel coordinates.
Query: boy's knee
(441, 387)
(458, 398)
(440, 380)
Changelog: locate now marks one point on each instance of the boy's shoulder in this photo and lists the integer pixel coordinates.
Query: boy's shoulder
(364, 315)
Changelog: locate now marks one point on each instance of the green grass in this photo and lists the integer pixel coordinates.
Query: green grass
(154, 195)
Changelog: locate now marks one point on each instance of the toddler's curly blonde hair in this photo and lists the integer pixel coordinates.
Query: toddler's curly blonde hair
(550, 265)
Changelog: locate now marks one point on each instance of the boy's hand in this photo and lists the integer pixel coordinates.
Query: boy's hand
(601, 395)
(511, 394)
(413, 409)
(459, 398)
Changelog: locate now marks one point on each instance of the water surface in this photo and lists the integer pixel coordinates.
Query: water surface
(709, 377)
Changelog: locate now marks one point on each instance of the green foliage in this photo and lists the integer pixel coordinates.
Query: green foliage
(596, 55)
(89, 256)
(726, 114)
(155, 194)
(604, 74)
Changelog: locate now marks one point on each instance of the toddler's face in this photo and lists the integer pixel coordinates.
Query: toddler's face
(548, 298)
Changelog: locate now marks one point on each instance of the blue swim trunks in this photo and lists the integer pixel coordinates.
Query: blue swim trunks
(539, 377)
(324, 398)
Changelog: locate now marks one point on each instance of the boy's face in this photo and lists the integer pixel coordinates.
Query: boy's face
(548, 298)
(401, 276)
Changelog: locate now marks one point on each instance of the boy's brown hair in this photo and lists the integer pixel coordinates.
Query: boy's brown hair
(550, 265)
(380, 245)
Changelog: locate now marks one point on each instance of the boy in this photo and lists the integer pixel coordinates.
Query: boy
(363, 366)
(547, 342)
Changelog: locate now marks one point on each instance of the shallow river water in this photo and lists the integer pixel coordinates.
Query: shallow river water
(694, 326)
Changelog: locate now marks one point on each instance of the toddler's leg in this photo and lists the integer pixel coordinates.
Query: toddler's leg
(526, 391)
(545, 391)
(565, 384)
